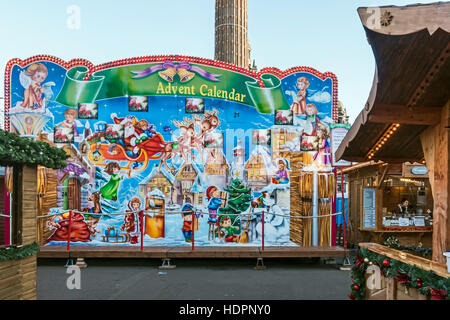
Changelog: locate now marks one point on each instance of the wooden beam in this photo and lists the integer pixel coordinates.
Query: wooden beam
(391, 289)
(441, 223)
(418, 115)
(436, 145)
(380, 181)
(408, 258)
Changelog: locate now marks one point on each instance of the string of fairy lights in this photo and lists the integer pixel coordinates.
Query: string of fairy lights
(383, 139)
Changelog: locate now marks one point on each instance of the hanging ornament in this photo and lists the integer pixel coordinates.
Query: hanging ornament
(386, 263)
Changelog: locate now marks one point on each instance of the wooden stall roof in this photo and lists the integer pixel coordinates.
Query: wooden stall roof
(411, 47)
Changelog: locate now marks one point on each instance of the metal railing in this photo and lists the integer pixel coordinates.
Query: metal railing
(142, 214)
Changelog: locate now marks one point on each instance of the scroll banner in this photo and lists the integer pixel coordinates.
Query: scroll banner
(143, 79)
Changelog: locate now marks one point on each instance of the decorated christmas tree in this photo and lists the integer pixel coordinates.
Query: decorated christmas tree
(239, 199)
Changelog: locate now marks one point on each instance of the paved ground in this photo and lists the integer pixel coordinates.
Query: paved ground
(195, 280)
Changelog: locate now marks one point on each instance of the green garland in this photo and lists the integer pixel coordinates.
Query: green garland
(20, 252)
(15, 150)
(427, 282)
(394, 243)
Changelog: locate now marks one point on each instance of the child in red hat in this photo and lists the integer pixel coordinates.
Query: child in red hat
(213, 196)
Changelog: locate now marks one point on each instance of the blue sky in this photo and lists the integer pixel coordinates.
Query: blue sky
(324, 34)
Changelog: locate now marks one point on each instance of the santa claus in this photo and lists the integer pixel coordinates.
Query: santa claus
(131, 137)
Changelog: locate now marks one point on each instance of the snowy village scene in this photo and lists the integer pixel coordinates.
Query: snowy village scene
(168, 151)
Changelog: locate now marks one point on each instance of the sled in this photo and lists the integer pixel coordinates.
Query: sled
(150, 149)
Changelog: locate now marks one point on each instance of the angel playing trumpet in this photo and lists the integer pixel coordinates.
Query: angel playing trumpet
(36, 96)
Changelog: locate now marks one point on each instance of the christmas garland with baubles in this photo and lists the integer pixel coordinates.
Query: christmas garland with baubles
(15, 150)
(426, 282)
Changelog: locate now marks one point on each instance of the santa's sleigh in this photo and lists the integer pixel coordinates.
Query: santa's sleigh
(149, 149)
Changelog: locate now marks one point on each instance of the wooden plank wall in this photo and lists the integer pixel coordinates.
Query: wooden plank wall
(357, 179)
(436, 146)
(47, 201)
(29, 204)
(18, 277)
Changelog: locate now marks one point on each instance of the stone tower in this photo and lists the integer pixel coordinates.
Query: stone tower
(231, 33)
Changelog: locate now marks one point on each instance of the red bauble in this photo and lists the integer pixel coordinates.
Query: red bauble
(386, 263)
(356, 287)
(418, 280)
(419, 284)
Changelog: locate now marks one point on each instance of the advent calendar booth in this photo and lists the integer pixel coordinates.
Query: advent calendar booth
(174, 156)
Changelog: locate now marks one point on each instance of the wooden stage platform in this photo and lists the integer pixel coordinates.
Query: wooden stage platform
(186, 252)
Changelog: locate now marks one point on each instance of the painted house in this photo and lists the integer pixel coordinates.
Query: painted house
(217, 168)
(198, 191)
(73, 187)
(185, 177)
(284, 141)
(259, 168)
(162, 180)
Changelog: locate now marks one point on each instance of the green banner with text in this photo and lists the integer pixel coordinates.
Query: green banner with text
(172, 79)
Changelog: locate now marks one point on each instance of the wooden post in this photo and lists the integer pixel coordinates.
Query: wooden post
(334, 210)
(391, 289)
(436, 146)
(343, 210)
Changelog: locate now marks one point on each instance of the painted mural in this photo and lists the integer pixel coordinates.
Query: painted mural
(171, 146)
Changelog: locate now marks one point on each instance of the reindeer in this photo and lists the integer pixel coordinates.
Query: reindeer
(187, 132)
(196, 140)
(171, 150)
(207, 124)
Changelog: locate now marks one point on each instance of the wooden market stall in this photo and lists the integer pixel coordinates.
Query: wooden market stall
(377, 192)
(21, 156)
(406, 119)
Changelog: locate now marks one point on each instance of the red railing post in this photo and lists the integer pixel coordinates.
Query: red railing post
(141, 224)
(69, 230)
(193, 228)
(263, 230)
(343, 209)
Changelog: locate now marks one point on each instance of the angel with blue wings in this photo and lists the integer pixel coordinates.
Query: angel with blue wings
(31, 80)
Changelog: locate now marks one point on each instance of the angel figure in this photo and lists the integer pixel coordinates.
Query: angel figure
(31, 80)
(298, 105)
